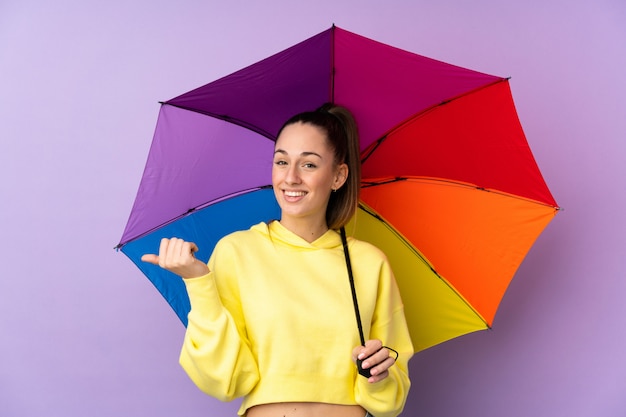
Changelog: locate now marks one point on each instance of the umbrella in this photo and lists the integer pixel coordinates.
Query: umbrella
(451, 191)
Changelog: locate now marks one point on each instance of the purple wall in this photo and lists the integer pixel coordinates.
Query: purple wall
(83, 333)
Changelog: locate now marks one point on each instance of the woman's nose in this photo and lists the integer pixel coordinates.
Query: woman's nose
(292, 176)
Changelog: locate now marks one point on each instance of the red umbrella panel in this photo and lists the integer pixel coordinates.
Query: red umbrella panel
(451, 191)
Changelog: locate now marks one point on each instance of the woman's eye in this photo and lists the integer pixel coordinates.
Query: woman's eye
(309, 165)
(279, 162)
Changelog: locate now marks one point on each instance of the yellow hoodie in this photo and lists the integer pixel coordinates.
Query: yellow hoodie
(274, 322)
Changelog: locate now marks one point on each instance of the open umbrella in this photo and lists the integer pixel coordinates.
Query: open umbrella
(451, 191)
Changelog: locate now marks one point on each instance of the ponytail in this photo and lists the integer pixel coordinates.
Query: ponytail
(344, 202)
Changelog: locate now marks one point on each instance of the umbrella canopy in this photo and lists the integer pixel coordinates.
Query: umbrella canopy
(451, 191)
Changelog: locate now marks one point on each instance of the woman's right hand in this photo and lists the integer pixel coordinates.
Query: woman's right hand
(177, 256)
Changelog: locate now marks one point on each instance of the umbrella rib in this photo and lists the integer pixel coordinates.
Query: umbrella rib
(227, 119)
(191, 211)
(385, 181)
(332, 65)
(370, 149)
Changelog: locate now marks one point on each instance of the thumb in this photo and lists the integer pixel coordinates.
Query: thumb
(150, 258)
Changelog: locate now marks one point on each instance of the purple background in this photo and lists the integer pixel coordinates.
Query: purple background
(83, 333)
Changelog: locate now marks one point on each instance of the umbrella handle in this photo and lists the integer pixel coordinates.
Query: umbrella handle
(344, 241)
(351, 278)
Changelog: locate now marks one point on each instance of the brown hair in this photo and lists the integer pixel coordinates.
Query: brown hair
(342, 135)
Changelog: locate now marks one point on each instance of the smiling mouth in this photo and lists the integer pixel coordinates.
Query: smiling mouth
(294, 193)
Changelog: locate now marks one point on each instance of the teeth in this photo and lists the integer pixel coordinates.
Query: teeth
(294, 193)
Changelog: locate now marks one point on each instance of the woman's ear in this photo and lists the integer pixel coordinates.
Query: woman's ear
(341, 176)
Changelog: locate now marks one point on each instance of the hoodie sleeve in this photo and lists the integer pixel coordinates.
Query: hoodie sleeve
(388, 397)
(216, 354)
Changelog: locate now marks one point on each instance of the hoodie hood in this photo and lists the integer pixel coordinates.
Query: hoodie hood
(280, 234)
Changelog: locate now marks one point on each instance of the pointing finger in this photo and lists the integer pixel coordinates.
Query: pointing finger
(150, 258)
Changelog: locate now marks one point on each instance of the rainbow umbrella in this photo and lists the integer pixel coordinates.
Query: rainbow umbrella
(451, 191)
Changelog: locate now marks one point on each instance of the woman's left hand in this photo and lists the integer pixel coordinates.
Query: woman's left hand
(376, 358)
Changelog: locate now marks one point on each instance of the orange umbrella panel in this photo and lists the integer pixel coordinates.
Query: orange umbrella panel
(472, 241)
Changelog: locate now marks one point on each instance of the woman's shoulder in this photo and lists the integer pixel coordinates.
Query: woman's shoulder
(364, 248)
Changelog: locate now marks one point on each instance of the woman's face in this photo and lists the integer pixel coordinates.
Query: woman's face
(304, 173)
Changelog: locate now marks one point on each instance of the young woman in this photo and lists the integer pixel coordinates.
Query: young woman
(272, 318)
